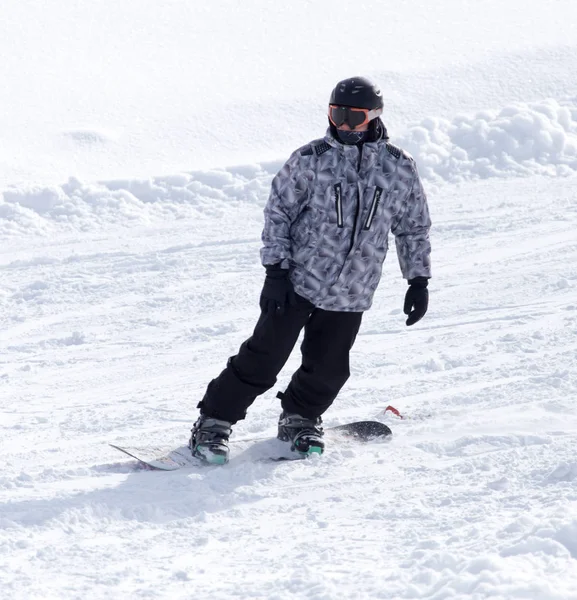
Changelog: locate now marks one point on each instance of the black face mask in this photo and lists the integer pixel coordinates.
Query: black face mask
(352, 137)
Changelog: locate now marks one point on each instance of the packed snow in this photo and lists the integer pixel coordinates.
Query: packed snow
(139, 143)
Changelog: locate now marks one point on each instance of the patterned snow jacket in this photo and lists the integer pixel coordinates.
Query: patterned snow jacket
(329, 215)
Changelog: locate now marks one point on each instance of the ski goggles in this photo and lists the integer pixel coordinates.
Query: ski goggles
(353, 117)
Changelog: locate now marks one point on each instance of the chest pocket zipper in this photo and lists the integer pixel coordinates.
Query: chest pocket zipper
(374, 206)
(339, 204)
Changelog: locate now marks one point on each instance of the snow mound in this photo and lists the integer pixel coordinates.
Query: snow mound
(79, 206)
(521, 139)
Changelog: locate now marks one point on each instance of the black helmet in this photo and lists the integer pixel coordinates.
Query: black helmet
(357, 92)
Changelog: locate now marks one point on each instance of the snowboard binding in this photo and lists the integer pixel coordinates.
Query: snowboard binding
(209, 440)
(305, 435)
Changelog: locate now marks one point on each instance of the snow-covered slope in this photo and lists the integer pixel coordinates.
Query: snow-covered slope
(113, 338)
(139, 88)
(138, 145)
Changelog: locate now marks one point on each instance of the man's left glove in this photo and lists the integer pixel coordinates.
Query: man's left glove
(416, 299)
(278, 292)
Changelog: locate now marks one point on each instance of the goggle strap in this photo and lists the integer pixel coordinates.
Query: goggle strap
(373, 114)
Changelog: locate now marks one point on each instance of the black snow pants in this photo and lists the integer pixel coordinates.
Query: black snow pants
(328, 339)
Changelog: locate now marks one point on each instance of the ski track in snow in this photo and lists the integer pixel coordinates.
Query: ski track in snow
(112, 336)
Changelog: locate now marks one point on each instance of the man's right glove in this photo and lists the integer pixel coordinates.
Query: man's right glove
(278, 292)
(416, 299)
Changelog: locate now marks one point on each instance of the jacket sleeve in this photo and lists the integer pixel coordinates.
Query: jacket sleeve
(411, 230)
(289, 191)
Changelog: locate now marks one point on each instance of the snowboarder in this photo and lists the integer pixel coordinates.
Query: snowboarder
(325, 238)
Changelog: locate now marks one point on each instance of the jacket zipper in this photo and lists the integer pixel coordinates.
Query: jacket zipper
(374, 206)
(358, 209)
(339, 204)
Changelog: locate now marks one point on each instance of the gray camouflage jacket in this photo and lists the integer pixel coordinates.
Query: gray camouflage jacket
(329, 215)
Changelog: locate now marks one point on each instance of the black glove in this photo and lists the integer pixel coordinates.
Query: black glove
(278, 292)
(416, 299)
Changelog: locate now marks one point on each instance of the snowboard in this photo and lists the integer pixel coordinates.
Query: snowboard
(273, 449)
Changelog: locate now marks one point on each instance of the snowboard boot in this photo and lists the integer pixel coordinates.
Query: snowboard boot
(305, 435)
(209, 440)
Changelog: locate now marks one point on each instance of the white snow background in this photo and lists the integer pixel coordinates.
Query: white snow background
(138, 140)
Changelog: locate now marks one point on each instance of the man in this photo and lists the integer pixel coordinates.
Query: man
(325, 238)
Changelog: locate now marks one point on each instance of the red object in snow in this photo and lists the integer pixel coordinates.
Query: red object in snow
(394, 411)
